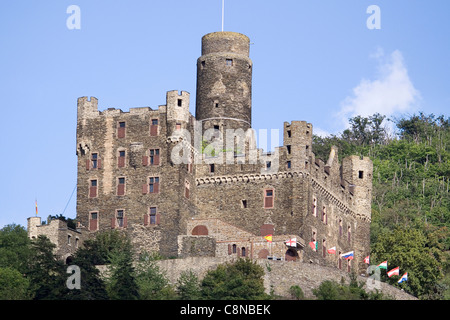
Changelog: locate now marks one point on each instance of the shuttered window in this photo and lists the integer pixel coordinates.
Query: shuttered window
(121, 187)
(121, 159)
(268, 198)
(93, 221)
(121, 130)
(153, 186)
(154, 157)
(93, 189)
(154, 127)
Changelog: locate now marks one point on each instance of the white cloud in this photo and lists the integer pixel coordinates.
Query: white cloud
(391, 92)
(320, 132)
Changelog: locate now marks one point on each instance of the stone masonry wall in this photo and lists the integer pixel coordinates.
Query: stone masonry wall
(279, 275)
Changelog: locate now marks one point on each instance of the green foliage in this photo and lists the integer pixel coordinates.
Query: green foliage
(412, 251)
(296, 292)
(14, 247)
(411, 184)
(13, 285)
(332, 290)
(188, 286)
(46, 273)
(93, 286)
(121, 282)
(232, 281)
(151, 281)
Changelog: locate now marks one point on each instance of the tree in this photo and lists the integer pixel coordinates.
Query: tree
(409, 249)
(92, 285)
(151, 280)
(188, 286)
(242, 279)
(121, 283)
(13, 286)
(332, 290)
(14, 247)
(46, 273)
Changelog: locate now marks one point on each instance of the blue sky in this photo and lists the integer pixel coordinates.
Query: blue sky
(313, 60)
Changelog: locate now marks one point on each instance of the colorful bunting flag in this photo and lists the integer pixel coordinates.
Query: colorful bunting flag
(291, 242)
(36, 207)
(366, 260)
(332, 250)
(395, 271)
(382, 265)
(313, 245)
(403, 278)
(347, 255)
(268, 237)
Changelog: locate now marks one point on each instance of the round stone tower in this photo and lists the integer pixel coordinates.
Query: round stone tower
(224, 82)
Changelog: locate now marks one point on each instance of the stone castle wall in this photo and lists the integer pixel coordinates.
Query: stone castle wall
(279, 275)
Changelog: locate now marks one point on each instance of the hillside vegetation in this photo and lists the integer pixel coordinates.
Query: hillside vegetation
(410, 199)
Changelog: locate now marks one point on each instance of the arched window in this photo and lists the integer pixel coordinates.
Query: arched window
(200, 231)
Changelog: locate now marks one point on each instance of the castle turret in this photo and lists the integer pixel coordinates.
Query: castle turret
(357, 172)
(224, 82)
(177, 111)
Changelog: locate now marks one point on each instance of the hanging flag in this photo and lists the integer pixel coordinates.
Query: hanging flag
(403, 278)
(382, 265)
(268, 237)
(395, 271)
(366, 259)
(332, 250)
(348, 255)
(35, 201)
(291, 242)
(313, 245)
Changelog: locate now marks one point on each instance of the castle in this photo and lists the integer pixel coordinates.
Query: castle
(190, 186)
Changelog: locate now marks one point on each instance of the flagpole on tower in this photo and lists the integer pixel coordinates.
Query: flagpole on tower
(223, 10)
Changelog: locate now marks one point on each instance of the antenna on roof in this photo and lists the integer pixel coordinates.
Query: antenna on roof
(223, 10)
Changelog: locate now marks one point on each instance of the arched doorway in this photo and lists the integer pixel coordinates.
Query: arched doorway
(200, 231)
(291, 255)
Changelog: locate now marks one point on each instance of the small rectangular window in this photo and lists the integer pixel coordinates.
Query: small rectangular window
(120, 218)
(121, 187)
(93, 189)
(180, 102)
(94, 161)
(93, 221)
(154, 157)
(211, 168)
(121, 160)
(244, 203)
(288, 164)
(121, 130)
(268, 198)
(229, 62)
(288, 149)
(289, 133)
(361, 174)
(154, 127)
(152, 215)
(154, 185)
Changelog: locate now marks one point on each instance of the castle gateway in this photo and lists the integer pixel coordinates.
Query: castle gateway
(186, 185)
